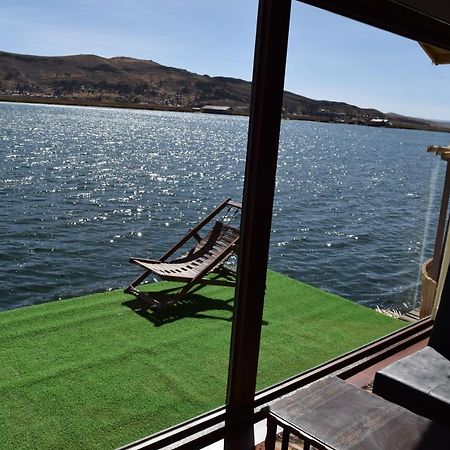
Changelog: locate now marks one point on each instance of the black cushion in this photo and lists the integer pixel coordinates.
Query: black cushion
(419, 382)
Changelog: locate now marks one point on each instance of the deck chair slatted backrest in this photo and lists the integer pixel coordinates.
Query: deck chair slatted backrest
(207, 255)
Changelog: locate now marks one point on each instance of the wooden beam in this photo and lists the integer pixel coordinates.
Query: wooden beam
(259, 188)
(392, 16)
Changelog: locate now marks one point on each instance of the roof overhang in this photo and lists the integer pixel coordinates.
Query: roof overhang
(426, 21)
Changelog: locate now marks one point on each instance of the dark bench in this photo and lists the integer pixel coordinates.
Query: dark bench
(334, 415)
(421, 382)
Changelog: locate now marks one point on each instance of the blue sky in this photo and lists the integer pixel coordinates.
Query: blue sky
(329, 57)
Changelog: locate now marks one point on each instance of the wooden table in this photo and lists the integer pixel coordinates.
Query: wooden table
(333, 414)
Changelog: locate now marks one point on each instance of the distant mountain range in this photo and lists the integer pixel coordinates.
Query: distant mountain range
(129, 82)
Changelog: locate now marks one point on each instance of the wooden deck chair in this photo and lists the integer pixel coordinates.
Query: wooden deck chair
(207, 255)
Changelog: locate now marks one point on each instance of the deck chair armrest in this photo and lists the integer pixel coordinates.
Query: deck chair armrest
(194, 231)
(145, 260)
(234, 204)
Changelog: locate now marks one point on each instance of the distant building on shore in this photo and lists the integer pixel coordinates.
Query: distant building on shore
(380, 122)
(213, 109)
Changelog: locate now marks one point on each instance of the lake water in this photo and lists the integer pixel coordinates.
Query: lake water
(83, 189)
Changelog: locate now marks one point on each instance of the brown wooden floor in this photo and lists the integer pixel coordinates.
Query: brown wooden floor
(366, 376)
(411, 316)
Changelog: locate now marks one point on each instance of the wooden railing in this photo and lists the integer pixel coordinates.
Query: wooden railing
(210, 427)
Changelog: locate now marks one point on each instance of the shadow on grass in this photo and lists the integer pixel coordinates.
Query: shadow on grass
(168, 310)
(160, 307)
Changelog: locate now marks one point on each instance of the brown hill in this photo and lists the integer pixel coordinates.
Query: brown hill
(91, 79)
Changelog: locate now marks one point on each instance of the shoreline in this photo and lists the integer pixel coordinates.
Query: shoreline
(150, 107)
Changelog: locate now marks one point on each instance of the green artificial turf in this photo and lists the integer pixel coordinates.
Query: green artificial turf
(98, 372)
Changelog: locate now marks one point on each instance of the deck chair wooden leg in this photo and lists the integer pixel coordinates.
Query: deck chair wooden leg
(131, 289)
(184, 290)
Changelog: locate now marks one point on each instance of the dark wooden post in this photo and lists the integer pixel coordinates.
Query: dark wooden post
(259, 187)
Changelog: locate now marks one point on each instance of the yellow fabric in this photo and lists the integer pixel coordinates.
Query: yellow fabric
(436, 54)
